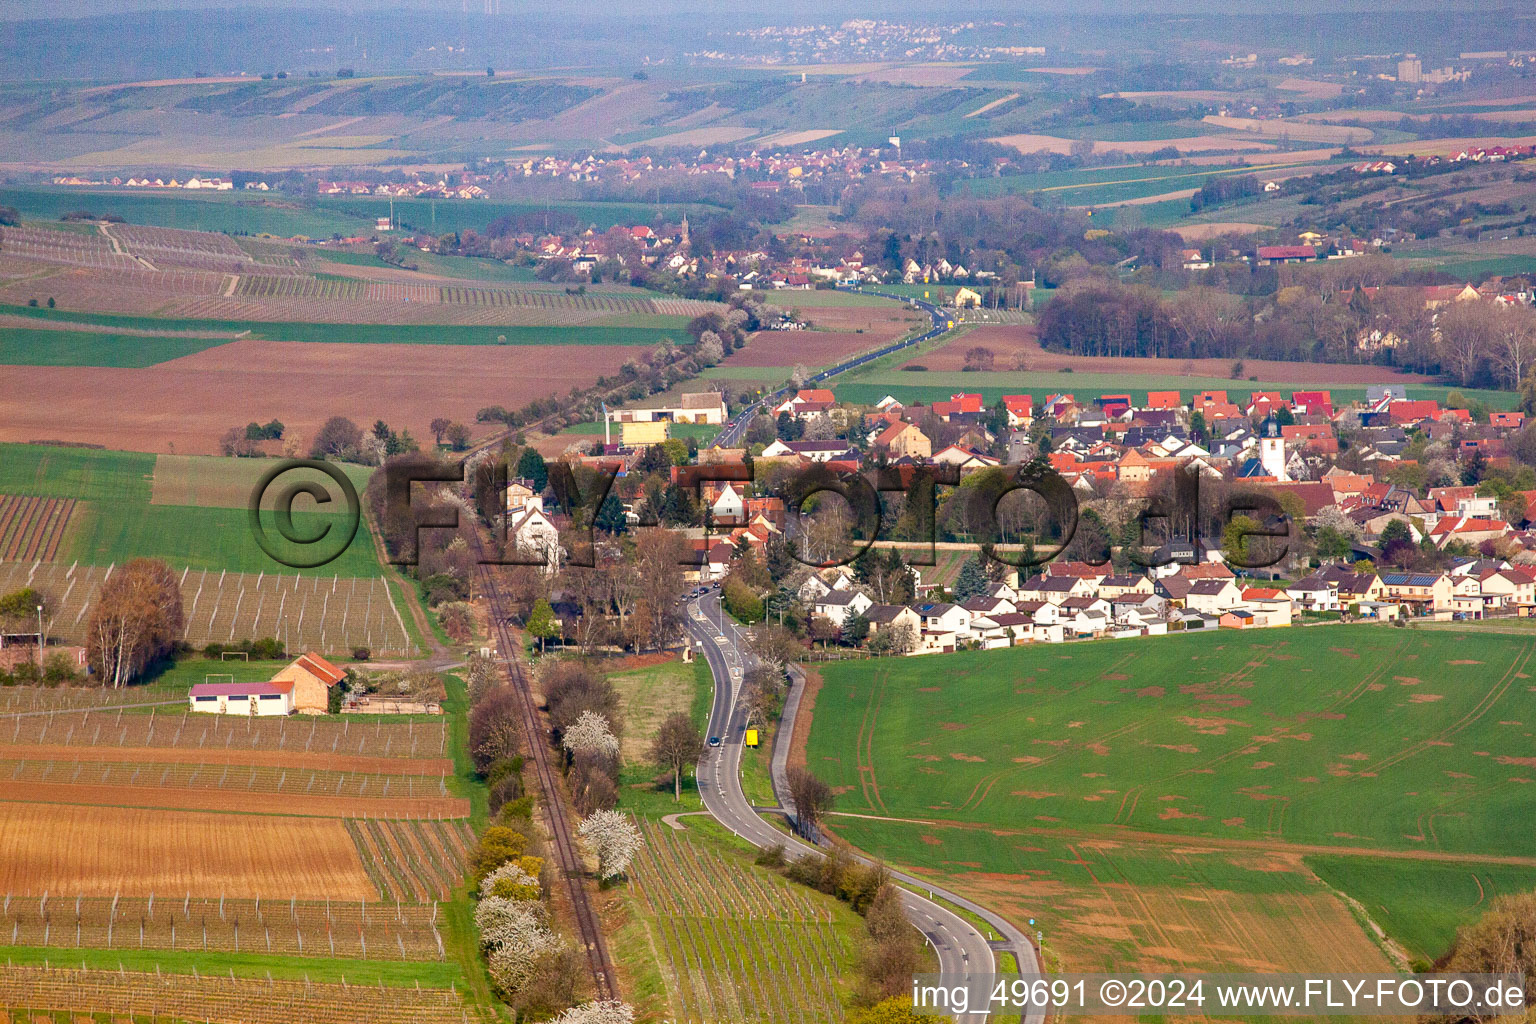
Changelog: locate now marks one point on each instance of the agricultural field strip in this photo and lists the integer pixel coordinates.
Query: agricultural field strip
(225, 1000)
(224, 777)
(173, 921)
(737, 948)
(222, 607)
(416, 860)
(282, 737)
(32, 527)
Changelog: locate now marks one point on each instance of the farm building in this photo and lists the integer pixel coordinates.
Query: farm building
(259, 700)
(311, 677)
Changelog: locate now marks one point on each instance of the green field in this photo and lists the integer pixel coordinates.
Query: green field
(229, 213)
(594, 428)
(247, 213)
(1215, 760)
(867, 387)
(21, 346)
(810, 298)
(366, 334)
(1100, 184)
(117, 519)
(462, 267)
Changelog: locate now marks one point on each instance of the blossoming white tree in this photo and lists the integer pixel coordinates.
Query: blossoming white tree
(590, 731)
(613, 839)
(514, 935)
(510, 881)
(608, 1011)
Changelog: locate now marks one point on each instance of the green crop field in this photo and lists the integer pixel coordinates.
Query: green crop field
(1215, 760)
(440, 216)
(85, 345)
(1098, 185)
(20, 346)
(867, 387)
(230, 213)
(117, 519)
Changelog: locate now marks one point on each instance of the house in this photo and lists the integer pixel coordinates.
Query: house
(729, 508)
(892, 616)
(1507, 588)
(1272, 255)
(1468, 529)
(1114, 587)
(841, 605)
(813, 451)
(903, 439)
(1314, 594)
(806, 400)
(945, 618)
(1212, 596)
(1423, 591)
(819, 583)
(258, 700)
(966, 459)
(311, 677)
(690, 407)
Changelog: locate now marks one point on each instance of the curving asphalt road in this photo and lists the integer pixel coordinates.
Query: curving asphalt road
(731, 435)
(960, 946)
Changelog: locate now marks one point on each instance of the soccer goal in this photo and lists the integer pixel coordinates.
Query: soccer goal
(242, 655)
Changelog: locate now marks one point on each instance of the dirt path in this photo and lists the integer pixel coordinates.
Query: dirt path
(1125, 836)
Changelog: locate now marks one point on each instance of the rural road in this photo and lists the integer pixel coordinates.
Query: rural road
(730, 437)
(961, 948)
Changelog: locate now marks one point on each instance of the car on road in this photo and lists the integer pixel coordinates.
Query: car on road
(714, 741)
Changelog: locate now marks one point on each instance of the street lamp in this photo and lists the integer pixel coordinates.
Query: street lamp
(39, 636)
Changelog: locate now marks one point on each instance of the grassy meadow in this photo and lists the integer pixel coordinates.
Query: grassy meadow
(1221, 763)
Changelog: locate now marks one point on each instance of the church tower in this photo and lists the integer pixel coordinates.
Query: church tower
(1272, 450)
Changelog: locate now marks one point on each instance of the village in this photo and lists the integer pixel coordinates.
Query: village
(1400, 510)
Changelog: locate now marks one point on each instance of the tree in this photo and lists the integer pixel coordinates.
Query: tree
(541, 622)
(1502, 941)
(613, 839)
(590, 732)
(458, 437)
(136, 620)
(1234, 539)
(531, 467)
(972, 581)
(855, 629)
(439, 426)
(610, 516)
(775, 645)
(607, 1011)
(338, 438)
(18, 611)
(812, 796)
(677, 745)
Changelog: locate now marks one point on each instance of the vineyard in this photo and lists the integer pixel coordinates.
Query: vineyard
(307, 740)
(133, 997)
(738, 943)
(32, 527)
(292, 927)
(227, 778)
(305, 612)
(412, 860)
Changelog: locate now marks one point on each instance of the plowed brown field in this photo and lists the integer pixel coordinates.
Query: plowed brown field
(296, 759)
(185, 404)
(236, 799)
(103, 851)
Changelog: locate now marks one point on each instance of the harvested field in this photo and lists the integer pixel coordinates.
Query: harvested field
(292, 738)
(1196, 144)
(225, 1000)
(223, 482)
(188, 403)
(1008, 342)
(233, 797)
(305, 612)
(105, 851)
(1200, 232)
(229, 777)
(32, 527)
(919, 74)
(295, 761)
(1301, 131)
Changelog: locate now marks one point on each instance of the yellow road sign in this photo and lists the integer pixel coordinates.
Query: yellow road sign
(751, 737)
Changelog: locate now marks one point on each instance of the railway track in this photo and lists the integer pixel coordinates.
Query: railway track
(567, 856)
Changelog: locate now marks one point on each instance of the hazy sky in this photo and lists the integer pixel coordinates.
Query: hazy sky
(787, 11)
